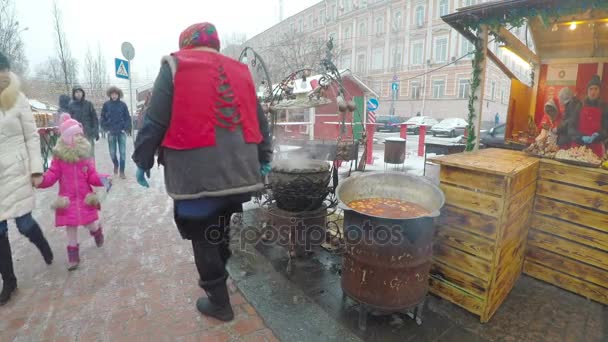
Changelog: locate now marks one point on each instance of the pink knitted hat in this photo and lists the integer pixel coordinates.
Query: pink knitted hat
(69, 128)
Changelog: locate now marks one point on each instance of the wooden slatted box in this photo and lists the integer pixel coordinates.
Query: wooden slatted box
(482, 232)
(568, 241)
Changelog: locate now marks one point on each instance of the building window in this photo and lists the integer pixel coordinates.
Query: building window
(380, 25)
(438, 88)
(346, 60)
(347, 34)
(397, 57)
(441, 50)
(464, 89)
(493, 90)
(467, 3)
(361, 63)
(300, 25)
(322, 17)
(466, 47)
(398, 21)
(377, 59)
(362, 30)
(420, 16)
(415, 90)
(417, 53)
(502, 95)
(348, 5)
(377, 86)
(333, 13)
(444, 7)
(311, 23)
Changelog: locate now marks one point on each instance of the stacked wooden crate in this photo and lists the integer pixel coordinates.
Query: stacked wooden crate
(568, 240)
(482, 232)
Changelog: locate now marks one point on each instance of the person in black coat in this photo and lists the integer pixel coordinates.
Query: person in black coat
(84, 112)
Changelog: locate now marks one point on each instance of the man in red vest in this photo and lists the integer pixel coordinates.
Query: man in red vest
(215, 148)
(590, 128)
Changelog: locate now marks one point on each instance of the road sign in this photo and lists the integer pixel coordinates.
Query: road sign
(122, 68)
(395, 86)
(372, 104)
(128, 51)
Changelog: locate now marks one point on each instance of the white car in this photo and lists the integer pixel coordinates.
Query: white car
(451, 127)
(413, 124)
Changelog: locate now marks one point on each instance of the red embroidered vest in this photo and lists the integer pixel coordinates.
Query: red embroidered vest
(206, 87)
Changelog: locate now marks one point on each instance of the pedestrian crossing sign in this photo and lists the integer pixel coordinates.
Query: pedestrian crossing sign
(122, 68)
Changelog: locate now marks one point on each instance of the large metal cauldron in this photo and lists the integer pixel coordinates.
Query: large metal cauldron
(387, 261)
(299, 184)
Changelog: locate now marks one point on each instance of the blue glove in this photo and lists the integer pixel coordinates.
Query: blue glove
(265, 169)
(141, 177)
(589, 138)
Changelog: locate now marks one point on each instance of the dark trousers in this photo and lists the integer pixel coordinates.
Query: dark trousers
(210, 243)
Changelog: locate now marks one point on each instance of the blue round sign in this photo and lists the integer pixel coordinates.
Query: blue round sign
(372, 104)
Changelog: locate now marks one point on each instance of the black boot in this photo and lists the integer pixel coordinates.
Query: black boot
(9, 281)
(37, 238)
(217, 302)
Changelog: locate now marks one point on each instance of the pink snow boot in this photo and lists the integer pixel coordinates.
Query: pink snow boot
(98, 235)
(73, 257)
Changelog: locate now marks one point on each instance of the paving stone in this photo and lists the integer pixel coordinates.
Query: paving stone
(140, 286)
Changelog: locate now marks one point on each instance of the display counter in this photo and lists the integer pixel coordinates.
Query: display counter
(480, 244)
(568, 239)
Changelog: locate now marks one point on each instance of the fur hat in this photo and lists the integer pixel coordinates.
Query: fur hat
(595, 81)
(4, 63)
(69, 128)
(114, 89)
(551, 108)
(199, 35)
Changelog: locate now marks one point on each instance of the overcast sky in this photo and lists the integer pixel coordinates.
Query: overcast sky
(153, 27)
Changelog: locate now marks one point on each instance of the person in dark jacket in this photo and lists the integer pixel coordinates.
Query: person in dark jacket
(84, 112)
(64, 103)
(213, 159)
(116, 120)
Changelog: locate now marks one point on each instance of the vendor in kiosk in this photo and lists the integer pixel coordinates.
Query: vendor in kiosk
(591, 126)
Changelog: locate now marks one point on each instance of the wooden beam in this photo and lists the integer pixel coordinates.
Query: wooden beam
(517, 46)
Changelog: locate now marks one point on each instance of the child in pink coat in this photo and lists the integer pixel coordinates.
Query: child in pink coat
(74, 169)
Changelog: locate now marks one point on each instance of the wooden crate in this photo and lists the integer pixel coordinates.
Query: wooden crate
(568, 241)
(482, 232)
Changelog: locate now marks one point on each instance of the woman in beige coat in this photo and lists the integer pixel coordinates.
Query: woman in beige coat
(20, 170)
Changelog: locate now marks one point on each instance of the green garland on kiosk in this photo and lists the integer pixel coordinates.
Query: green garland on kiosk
(475, 84)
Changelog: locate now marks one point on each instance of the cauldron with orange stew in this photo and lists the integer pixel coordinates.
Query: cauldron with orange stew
(388, 231)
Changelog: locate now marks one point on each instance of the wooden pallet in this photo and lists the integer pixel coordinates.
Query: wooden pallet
(482, 232)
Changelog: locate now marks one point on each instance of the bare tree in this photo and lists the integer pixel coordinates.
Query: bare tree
(68, 63)
(233, 44)
(96, 78)
(11, 43)
(295, 51)
(48, 81)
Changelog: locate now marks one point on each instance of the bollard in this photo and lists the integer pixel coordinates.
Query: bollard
(403, 132)
(421, 137)
(371, 128)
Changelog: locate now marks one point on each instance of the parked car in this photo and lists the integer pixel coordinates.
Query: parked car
(495, 137)
(413, 124)
(451, 127)
(389, 123)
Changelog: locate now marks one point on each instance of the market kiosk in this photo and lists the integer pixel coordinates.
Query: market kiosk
(543, 212)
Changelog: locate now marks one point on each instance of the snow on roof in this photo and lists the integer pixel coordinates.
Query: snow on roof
(41, 106)
(305, 87)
